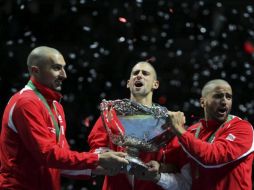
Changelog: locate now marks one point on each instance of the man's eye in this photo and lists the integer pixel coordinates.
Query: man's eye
(135, 72)
(145, 73)
(218, 95)
(56, 68)
(228, 96)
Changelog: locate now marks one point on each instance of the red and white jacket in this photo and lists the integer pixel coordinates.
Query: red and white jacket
(223, 162)
(226, 161)
(31, 157)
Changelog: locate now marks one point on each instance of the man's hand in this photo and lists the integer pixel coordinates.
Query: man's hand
(150, 173)
(168, 168)
(102, 171)
(178, 121)
(111, 163)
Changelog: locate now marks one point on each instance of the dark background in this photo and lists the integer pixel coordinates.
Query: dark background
(189, 43)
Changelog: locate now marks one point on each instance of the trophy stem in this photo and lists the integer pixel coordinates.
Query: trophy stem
(133, 158)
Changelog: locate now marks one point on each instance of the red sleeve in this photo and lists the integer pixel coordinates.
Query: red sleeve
(231, 143)
(98, 137)
(33, 122)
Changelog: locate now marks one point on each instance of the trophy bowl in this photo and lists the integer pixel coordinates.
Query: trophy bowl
(136, 127)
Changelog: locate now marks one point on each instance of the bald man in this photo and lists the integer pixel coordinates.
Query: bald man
(142, 83)
(219, 147)
(33, 148)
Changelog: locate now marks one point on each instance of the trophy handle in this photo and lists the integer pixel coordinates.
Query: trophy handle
(107, 117)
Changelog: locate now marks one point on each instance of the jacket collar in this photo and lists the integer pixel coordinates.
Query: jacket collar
(50, 95)
(212, 124)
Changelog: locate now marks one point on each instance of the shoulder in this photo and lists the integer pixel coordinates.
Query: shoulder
(237, 129)
(239, 123)
(98, 124)
(26, 99)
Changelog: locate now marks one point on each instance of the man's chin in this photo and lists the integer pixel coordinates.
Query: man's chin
(57, 89)
(223, 118)
(138, 94)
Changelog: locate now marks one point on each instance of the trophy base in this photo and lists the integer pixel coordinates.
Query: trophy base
(135, 162)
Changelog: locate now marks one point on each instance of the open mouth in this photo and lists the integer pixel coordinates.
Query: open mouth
(138, 84)
(222, 111)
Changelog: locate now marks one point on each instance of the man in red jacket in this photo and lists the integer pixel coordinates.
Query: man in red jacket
(33, 147)
(142, 83)
(219, 147)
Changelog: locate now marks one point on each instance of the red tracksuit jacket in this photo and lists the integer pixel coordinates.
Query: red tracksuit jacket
(31, 157)
(225, 163)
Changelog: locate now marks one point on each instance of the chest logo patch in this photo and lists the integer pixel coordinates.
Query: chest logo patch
(230, 137)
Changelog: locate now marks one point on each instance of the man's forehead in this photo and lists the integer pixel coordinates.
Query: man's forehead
(56, 56)
(57, 59)
(143, 67)
(220, 89)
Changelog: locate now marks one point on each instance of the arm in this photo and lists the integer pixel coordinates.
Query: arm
(104, 167)
(33, 123)
(233, 142)
(34, 126)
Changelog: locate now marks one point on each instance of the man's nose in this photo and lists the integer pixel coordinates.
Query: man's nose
(63, 74)
(139, 75)
(224, 100)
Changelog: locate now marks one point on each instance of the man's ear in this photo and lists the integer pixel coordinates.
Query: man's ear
(128, 84)
(35, 70)
(202, 102)
(156, 84)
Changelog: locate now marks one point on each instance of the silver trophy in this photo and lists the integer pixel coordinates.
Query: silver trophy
(136, 127)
